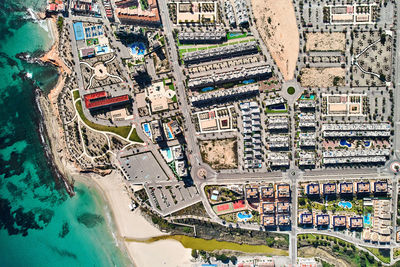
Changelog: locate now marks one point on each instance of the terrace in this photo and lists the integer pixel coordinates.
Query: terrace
(322, 220)
(283, 219)
(356, 222)
(252, 193)
(339, 221)
(329, 189)
(381, 187)
(312, 189)
(306, 218)
(283, 207)
(363, 187)
(267, 192)
(346, 188)
(283, 191)
(268, 220)
(268, 207)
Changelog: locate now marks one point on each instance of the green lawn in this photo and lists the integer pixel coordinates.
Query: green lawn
(135, 137)
(211, 245)
(291, 90)
(121, 131)
(267, 110)
(192, 49)
(76, 94)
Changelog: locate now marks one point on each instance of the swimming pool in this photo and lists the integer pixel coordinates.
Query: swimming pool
(367, 143)
(146, 129)
(248, 81)
(278, 107)
(243, 216)
(367, 219)
(167, 154)
(138, 48)
(345, 204)
(207, 89)
(169, 133)
(303, 97)
(343, 142)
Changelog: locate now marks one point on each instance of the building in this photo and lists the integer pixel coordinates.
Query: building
(380, 187)
(283, 219)
(180, 168)
(85, 7)
(330, 189)
(278, 160)
(225, 95)
(312, 189)
(252, 193)
(268, 220)
(126, 3)
(157, 97)
(241, 12)
(339, 221)
(356, 222)
(306, 218)
(55, 6)
(157, 131)
(218, 53)
(346, 188)
(140, 15)
(267, 207)
(363, 188)
(87, 52)
(283, 191)
(333, 130)
(101, 100)
(230, 14)
(267, 192)
(322, 219)
(283, 207)
(217, 36)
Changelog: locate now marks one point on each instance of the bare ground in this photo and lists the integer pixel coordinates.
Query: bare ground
(220, 154)
(335, 41)
(322, 77)
(276, 24)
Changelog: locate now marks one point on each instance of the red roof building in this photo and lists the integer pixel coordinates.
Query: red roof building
(101, 100)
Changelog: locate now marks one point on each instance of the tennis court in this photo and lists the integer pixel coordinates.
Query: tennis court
(78, 29)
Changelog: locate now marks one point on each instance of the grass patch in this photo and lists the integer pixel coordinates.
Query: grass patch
(382, 254)
(121, 131)
(291, 90)
(267, 110)
(135, 137)
(76, 94)
(211, 245)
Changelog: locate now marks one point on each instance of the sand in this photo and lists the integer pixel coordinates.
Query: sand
(276, 24)
(220, 154)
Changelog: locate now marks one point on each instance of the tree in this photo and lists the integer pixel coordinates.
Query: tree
(195, 254)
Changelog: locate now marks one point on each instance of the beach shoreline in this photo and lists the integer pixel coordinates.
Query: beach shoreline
(112, 188)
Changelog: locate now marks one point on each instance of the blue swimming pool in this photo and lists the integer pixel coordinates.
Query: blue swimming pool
(169, 134)
(343, 142)
(367, 219)
(206, 89)
(367, 143)
(138, 48)
(244, 216)
(311, 97)
(146, 129)
(345, 204)
(248, 81)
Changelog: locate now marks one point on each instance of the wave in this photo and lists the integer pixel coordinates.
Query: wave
(42, 23)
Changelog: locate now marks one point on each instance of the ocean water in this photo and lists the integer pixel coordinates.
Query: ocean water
(40, 225)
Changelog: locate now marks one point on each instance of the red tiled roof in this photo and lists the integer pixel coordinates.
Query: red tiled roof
(238, 204)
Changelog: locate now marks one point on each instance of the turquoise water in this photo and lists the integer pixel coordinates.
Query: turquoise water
(40, 225)
(367, 219)
(206, 89)
(303, 97)
(244, 216)
(138, 48)
(345, 204)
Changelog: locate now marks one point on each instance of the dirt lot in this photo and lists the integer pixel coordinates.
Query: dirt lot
(276, 24)
(220, 154)
(322, 77)
(335, 41)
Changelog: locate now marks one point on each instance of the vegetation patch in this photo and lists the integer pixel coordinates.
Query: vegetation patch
(121, 131)
(291, 90)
